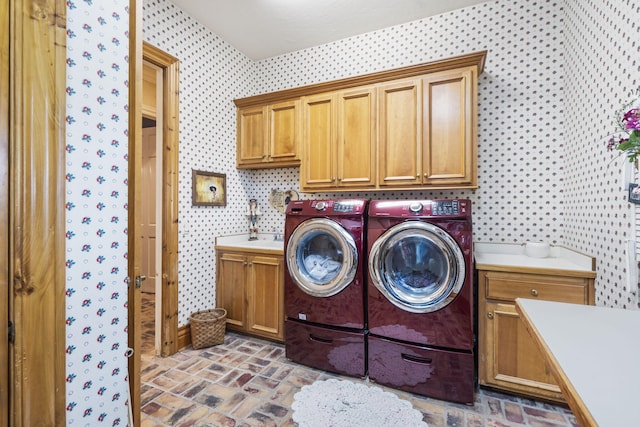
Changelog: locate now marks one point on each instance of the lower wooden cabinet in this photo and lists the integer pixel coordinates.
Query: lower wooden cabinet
(509, 359)
(250, 287)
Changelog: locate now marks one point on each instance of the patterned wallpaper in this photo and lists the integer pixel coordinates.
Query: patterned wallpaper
(601, 73)
(212, 74)
(96, 212)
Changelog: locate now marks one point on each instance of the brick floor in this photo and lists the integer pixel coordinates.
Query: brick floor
(248, 382)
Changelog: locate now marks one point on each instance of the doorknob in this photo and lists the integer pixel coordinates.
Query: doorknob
(139, 280)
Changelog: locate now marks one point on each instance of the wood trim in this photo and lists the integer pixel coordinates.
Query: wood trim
(36, 213)
(170, 134)
(5, 372)
(184, 336)
(134, 215)
(472, 59)
(537, 271)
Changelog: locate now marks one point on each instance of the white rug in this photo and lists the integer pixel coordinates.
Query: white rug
(335, 403)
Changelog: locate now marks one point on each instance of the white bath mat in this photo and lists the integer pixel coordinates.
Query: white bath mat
(336, 403)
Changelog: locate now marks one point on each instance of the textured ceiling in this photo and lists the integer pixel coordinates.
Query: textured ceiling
(265, 28)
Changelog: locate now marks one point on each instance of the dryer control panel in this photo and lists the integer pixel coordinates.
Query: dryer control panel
(445, 207)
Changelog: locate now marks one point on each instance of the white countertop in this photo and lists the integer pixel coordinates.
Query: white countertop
(513, 255)
(597, 351)
(265, 241)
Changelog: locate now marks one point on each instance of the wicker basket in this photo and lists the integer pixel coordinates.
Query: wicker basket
(207, 327)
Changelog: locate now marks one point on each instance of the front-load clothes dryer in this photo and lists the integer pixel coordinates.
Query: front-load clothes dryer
(324, 284)
(420, 297)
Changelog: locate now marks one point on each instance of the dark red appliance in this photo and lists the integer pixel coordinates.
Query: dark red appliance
(420, 297)
(324, 285)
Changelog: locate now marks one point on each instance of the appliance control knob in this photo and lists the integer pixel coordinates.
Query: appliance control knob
(415, 208)
(320, 206)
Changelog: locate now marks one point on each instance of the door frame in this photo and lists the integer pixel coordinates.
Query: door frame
(142, 51)
(4, 210)
(170, 108)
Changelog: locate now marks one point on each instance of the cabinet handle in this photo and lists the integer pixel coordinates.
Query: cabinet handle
(534, 292)
(245, 263)
(490, 315)
(250, 264)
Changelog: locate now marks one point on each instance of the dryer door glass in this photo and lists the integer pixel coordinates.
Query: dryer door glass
(321, 257)
(417, 266)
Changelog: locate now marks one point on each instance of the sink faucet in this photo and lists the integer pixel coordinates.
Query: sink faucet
(277, 237)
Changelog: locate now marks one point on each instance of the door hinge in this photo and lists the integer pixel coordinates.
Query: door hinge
(12, 332)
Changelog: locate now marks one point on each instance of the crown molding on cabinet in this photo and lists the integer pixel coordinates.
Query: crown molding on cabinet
(471, 59)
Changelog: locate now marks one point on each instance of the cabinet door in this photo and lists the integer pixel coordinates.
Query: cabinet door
(251, 146)
(449, 128)
(513, 361)
(284, 133)
(356, 145)
(400, 148)
(230, 288)
(265, 297)
(318, 169)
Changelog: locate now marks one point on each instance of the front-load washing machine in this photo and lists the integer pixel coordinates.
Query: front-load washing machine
(420, 297)
(324, 285)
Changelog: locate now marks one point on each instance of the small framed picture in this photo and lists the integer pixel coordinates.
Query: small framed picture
(208, 189)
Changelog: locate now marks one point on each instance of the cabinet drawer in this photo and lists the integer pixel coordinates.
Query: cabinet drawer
(509, 286)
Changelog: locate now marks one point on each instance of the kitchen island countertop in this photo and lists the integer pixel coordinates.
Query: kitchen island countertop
(593, 352)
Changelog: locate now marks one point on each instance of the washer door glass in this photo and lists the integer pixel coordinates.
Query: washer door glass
(321, 257)
(417, 266)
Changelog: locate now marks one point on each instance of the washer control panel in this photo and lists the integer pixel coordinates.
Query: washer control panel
(338, 207)
(344, 207)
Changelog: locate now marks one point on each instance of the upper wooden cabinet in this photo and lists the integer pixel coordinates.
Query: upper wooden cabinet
(404, 129)
(400, 148)
(268, 136)
(339, 140)
(427, 131)
(449, 128)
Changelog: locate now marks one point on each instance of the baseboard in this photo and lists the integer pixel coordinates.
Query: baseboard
(184, 336)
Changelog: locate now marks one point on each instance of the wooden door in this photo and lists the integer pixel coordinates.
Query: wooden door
(231, 287)
(32, 199)
(318, 169)
(448, 138)
(513, 361)
(357, 137)
(252, 135)
(265, 297)
(284, 133)
(148, 240)
(400, 145)
(5, 293)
